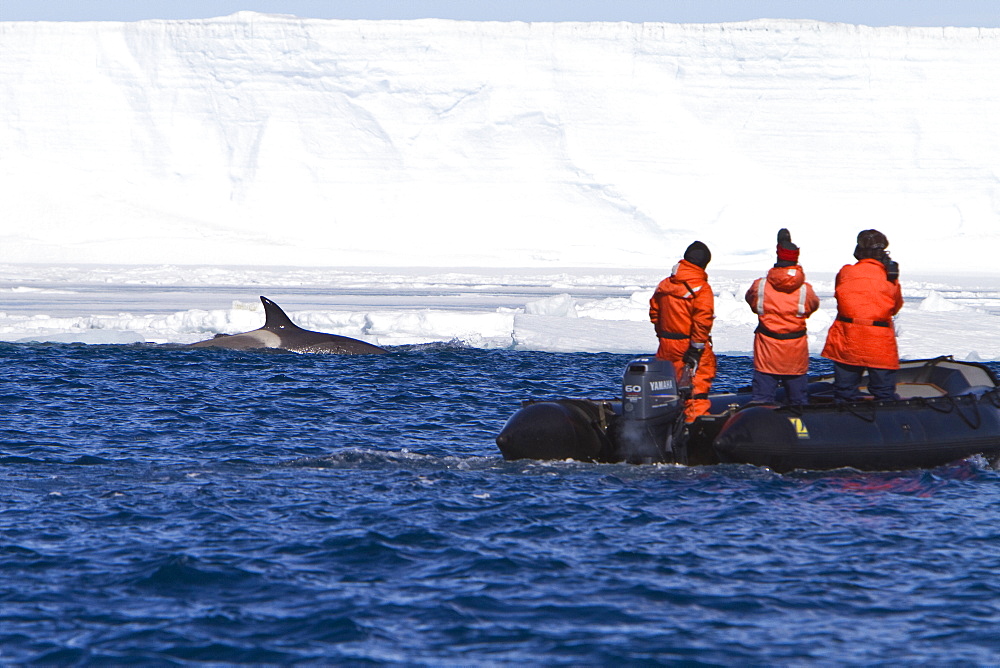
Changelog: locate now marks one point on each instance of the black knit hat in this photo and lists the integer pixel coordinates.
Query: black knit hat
(786, 250)
(698, 253)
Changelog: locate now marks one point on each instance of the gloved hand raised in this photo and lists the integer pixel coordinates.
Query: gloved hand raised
(892, 270)
(692, 356)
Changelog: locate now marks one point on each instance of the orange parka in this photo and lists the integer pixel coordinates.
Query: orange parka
(782, 301)
(863, 333)
(682, 309)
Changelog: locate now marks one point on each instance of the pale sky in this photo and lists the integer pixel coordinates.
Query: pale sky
(963, 13)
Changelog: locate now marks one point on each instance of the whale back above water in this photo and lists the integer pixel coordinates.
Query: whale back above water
(280, 332)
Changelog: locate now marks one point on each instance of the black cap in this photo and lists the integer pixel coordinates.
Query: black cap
(698, 253)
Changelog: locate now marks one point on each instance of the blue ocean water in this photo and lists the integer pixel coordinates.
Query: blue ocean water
(162, 505)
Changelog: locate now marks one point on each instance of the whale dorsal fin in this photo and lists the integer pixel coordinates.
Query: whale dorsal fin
(274, 317)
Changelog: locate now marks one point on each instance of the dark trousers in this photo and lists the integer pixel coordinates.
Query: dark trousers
(765, 387)
(847, 378)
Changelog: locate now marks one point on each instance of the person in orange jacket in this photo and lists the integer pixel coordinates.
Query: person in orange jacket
(782, 301)
(682, 310)
(863, 336)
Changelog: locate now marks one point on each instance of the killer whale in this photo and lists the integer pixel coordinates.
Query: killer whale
(280, 332)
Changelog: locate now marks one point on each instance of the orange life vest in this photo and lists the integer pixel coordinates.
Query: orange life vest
(782, 301)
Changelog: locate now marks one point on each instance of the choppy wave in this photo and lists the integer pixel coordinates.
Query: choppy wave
(166, 505)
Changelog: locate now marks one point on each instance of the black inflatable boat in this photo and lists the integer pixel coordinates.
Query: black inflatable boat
(947, 411)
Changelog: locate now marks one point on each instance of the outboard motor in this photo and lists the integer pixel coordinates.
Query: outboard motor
(652, 411)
